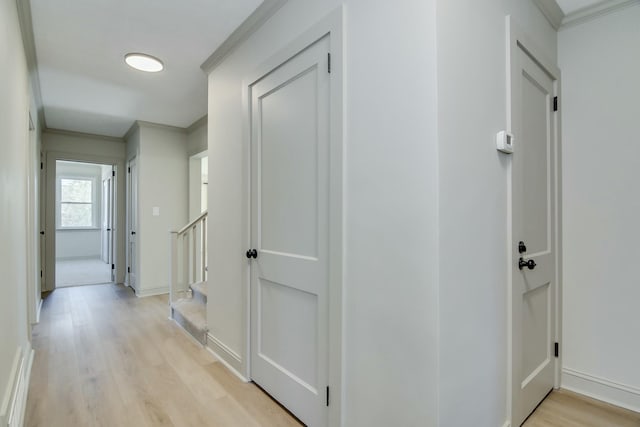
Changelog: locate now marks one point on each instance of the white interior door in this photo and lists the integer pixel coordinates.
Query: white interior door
(534, 236)
(289, 219)
(132, 220)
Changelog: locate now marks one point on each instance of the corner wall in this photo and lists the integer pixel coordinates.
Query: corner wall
(601, 171)
(390, 194)
(15, 166)
(473, 178)
(162, 184)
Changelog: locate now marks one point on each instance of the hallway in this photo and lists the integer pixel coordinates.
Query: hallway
(104, 357)
(84, 271)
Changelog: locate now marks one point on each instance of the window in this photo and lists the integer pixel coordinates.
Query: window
(76, 202)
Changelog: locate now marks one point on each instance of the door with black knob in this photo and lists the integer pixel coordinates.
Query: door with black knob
(534, 232)
(289, 257)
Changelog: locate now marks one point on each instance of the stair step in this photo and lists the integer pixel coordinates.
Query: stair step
(200, 291)
(191, 314)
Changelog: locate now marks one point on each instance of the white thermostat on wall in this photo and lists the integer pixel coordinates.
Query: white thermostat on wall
(504, 142)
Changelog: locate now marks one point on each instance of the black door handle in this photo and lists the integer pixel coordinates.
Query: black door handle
(252, 253)
(108, 229)
(530, 264)
(133, 233)
(42, 233)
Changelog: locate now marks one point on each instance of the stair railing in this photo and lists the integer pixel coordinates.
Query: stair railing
(188, 264)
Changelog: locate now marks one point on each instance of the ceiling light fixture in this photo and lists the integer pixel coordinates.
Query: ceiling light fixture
(143, 62)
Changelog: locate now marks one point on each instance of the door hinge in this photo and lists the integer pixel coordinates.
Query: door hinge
(327, 395)
(129, 170)
(329, 63)
(128, 269)
(113, 173)
(556, 349)
(41, 166)
(555, 103)
(113, 266)
(40, 273)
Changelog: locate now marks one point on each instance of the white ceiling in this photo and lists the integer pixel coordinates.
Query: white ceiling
(80, 48)
(570, 6)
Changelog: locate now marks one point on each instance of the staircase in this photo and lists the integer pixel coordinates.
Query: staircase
(190, 312)
(188, 278)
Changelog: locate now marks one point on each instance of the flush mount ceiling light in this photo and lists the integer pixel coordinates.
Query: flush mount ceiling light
(143, 62)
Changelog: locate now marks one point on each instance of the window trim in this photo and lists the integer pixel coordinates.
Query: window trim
(94, 203)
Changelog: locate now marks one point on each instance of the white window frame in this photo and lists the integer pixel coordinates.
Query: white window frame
(94, 203)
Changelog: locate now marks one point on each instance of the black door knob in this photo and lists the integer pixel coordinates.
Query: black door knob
(133, 233)
(530, 264)
(252, 253)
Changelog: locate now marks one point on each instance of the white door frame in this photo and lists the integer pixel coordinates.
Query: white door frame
(518, 40)
(50, 210)
(128, 226)
(331, 25)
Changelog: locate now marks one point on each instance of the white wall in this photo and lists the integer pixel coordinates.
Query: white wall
(197, 137)
(473, 204)
(14, 174)
(81, 243)
(601, 171)
(163, 184)
(196, 150)
(390, 186)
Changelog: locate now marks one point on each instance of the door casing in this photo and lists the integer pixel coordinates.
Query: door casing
(49, 191)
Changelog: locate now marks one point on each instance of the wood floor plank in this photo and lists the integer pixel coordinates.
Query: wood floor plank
(107, 358)
(563, 408)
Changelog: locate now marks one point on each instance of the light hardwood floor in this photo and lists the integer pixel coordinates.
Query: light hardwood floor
(563, 408)
(106, 358)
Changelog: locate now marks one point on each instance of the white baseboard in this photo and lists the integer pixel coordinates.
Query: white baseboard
(151, 292)
(14, 402)
(622, 395)
(229, 358)
(506, 424)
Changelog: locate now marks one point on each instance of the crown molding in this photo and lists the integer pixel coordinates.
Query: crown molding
(551, 11)
(195, 125)
(82, 135)
(28, 41)
(597, 10)
(250, 25)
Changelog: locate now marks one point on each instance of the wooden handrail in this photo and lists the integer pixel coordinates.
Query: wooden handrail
(192, 223)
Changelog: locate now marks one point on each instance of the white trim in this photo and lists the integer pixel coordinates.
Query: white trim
(82, 135)
(14, 401)
(506, 424)
(39, 310)
(141, 293)
(250, 25)
(551, 11)
(615, 393)
(595, 11)
(231, 360)
(49, 224)
(28, 41)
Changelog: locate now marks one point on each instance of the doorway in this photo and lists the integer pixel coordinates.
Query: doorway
(294, 106)
(84, 220)
(535, 243)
